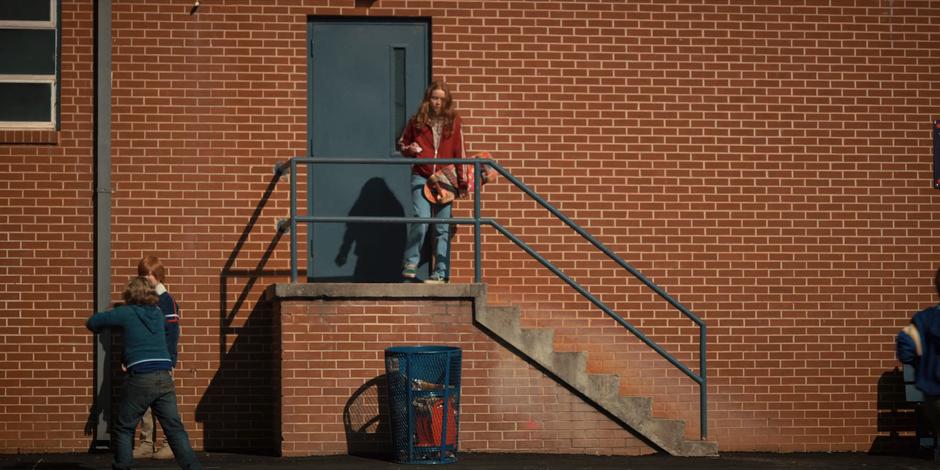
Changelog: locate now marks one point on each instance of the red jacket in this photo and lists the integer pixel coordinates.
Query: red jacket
(450, 147)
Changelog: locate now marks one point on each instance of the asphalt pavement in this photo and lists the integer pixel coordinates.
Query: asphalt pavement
(487, 461)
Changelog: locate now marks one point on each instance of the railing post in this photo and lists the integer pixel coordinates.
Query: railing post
(477, 245)
(293, 220)
(703, 386)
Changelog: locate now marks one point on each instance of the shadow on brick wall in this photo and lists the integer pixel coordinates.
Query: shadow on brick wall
(238, 410)
(108, 396)
(898, 419)
(366, 420)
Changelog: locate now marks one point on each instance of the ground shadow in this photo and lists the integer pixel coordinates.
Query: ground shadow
(898, 419)
(366, 420)
(48, 466)
(378, 247)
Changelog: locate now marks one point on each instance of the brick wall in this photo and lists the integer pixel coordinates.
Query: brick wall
(46, 262)
(768, 165)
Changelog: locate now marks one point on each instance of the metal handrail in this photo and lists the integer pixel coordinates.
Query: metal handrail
(701, 379)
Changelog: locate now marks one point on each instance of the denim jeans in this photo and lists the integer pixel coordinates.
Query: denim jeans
(416, 232)
(156, 391)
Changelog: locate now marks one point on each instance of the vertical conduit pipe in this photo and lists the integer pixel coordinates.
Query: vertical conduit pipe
(102, 155)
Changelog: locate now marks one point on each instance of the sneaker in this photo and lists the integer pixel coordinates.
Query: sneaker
(436, 279)
(409, 272)
(144, 451)
(165, 453)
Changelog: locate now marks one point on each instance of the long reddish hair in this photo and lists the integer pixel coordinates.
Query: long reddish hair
(151, 265)
(448, 109)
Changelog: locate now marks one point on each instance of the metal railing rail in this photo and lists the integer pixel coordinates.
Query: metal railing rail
(701, 378)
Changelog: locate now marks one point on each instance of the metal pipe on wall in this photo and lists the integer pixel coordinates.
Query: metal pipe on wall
(102, 150)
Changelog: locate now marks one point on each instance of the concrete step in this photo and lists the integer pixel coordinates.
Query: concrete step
(538, 344)
(570, 367)
(499, 317)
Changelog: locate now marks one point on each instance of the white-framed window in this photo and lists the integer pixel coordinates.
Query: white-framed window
(29, 64)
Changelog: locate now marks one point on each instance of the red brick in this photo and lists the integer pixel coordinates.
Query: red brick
(767, 166)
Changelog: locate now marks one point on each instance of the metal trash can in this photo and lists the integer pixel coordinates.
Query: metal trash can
(424, 401)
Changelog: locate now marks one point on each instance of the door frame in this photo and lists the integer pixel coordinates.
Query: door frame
(312, 21)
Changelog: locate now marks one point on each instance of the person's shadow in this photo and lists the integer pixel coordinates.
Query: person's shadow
(378, 246)
(108, 392)
(900, 422)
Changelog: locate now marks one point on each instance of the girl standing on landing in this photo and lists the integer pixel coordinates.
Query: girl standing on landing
(433, 132)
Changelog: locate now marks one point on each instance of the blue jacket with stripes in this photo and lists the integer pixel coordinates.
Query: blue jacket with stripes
(926, 362)
(144, 329)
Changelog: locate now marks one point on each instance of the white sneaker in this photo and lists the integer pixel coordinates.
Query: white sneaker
(144, 451)
(165, 453)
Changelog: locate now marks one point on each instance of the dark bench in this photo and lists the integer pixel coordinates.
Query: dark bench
(914, 396)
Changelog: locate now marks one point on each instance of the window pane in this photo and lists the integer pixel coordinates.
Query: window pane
(27, 51)
(398, 94)
(26, 102)
(25, 10)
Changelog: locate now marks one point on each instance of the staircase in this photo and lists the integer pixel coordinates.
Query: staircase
(570, 368)
(602, 389)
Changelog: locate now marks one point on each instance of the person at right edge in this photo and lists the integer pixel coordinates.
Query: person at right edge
(433, 132)
(149, 383)
(151, 268)
(918, 344)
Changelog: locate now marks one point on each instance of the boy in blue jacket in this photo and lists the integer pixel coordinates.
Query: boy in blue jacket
(919, 345)
(149, 383)
(151, 268)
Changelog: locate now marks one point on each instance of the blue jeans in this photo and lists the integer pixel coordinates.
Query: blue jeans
(156, 391)
(416, 232)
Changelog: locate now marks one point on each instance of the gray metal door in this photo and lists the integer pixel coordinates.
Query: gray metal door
(366, 78)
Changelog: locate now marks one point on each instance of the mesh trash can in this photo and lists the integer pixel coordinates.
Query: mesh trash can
(424, 401)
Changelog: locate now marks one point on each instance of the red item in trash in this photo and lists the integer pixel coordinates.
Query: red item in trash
(428, 426)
